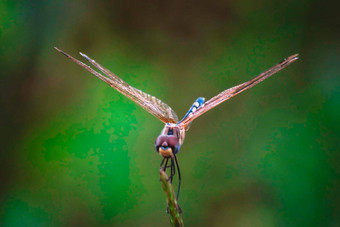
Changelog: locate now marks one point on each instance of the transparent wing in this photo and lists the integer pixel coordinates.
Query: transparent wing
(150, 103)
(227, 94)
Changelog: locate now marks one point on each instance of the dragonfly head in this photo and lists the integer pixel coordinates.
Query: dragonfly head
(168, 143)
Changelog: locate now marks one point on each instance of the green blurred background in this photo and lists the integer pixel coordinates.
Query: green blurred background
(77, 153)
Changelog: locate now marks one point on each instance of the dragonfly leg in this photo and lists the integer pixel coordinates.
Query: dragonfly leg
(179, 177)
(164, 163)
(161, 165)
(172, 169)
(173, 165)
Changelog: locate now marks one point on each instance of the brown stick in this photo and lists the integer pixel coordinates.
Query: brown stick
(173, 207)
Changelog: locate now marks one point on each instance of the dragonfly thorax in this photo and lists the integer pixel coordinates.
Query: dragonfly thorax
(170, 140)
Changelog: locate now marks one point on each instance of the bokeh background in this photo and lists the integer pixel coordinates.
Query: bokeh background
(74, 152)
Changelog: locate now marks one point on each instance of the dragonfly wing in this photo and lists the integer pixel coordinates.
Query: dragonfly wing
(227, 94)
(150, 103)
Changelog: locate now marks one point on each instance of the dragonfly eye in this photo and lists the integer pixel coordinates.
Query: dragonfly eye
(172, 141)
(168, 140)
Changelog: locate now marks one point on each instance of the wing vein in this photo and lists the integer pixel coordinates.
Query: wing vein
(229, 93)
(150, 103)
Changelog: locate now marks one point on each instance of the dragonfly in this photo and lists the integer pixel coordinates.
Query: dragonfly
(171, 138)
